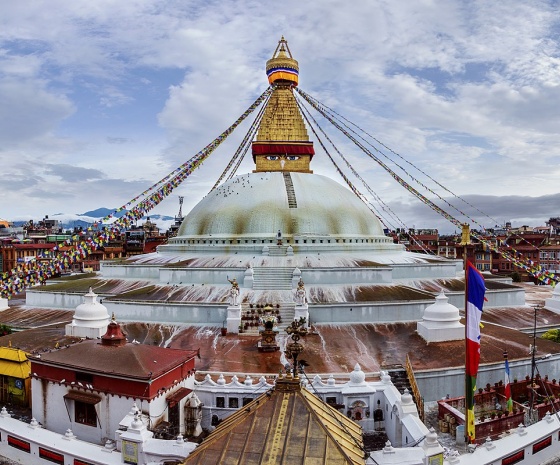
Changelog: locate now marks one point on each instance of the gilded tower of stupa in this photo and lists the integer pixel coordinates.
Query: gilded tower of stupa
(282, 142)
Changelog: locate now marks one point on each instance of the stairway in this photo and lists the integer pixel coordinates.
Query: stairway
(401, 381)
(292, 202)
(287, 313)
(277, 250)
(272, 278)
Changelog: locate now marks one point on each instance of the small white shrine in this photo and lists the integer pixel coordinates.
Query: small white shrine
(441, 322)
(90, 318)
(553, 304)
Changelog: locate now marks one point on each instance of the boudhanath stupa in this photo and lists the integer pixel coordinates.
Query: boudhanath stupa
(299, 241)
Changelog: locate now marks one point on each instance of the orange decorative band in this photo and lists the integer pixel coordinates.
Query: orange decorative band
(286, 74)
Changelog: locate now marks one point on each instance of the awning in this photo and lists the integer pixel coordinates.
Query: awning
(177, 396)
(83, 397)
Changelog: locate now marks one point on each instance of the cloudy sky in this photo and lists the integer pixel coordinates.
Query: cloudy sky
(99, 100)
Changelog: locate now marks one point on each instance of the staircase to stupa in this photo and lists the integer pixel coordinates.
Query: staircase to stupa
(272, 278)
(286, 312)
(290, 192)
(277, 250)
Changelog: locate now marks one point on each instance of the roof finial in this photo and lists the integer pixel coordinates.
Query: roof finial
(282, 67)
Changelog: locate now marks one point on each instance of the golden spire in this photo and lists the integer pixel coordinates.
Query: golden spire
(282, 142)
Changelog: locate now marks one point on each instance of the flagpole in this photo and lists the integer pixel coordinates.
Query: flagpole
(465, 241)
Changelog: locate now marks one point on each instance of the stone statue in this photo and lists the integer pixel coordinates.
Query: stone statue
(234, 292)
(300, 293)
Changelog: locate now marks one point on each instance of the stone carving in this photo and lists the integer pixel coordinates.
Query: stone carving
(301, 297)
(234, 292)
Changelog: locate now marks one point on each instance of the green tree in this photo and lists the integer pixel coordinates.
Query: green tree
(5, 329)
(552, 335)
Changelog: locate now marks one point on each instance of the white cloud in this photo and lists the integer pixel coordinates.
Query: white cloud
(465, 90)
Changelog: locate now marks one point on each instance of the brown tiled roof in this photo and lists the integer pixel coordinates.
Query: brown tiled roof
(286, 426)
(137, 361)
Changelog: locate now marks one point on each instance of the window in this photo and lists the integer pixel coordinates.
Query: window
(233, 402)
(220, 402)
(331, 400)
(246, 400)
(85, 413)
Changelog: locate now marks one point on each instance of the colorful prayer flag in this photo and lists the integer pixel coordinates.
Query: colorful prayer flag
(507, 391)
(473, 313)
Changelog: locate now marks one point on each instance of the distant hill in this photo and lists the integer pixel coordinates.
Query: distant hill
(102, 213)
(83, 220)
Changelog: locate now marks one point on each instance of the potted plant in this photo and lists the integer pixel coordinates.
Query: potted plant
(240, 328)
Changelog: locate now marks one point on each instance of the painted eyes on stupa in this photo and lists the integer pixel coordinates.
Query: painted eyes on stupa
(277, 157)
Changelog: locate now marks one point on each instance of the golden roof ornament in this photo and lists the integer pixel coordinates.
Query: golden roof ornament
(282, 67)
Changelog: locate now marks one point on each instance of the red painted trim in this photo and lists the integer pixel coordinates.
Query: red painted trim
(282, 149)
(81, 462)
(514, 458)
(51, 456)
(19, 444)
(538, 446)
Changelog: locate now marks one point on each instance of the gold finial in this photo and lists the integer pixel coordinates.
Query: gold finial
(465, 234)
(282, 67)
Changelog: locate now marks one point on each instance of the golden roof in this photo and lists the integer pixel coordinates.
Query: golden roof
(14, 362)
(287, 425)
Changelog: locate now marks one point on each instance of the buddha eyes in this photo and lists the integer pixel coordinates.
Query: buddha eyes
(277, 157)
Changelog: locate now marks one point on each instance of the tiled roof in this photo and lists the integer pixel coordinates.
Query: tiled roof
(139, 361)
(13, 362)
(287, 425)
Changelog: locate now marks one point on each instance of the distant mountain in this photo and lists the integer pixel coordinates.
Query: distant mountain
(102, 213)
(83, 220)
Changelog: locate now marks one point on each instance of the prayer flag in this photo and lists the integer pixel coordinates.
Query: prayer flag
(507, 391)
(473, 313)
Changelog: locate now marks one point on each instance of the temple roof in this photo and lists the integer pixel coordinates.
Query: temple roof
(137, 361)
(287, 425)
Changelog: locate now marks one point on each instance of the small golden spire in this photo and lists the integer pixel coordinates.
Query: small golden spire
(465, 234)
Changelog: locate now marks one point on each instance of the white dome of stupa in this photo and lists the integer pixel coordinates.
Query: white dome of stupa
(441, 321)
(90, 318)
(441, 310)
(91, 311)
(259, 205)
(553, 303)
